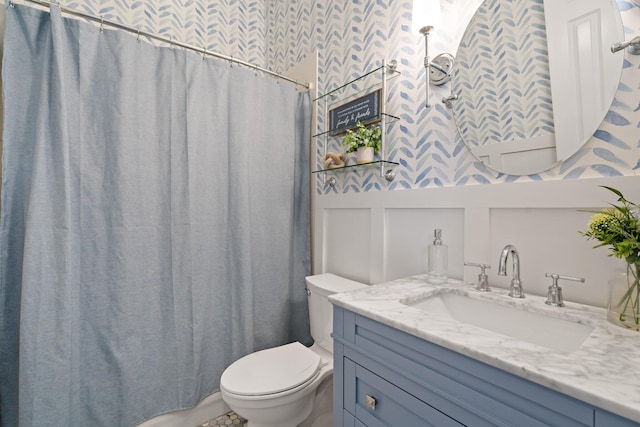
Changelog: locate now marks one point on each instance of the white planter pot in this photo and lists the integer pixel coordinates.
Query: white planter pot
(364, 155)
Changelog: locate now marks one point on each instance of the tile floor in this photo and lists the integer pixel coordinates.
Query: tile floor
(230, 419)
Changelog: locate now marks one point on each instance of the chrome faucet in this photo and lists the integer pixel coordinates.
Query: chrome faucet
(554, 295)
(483, 279)
(515, 289)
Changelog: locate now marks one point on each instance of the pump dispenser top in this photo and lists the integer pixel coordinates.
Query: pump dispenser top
(438, 260)
(437, 234)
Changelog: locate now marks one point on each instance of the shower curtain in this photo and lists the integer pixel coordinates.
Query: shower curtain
(155, 223)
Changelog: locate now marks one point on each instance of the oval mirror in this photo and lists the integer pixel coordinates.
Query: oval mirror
(534, 80)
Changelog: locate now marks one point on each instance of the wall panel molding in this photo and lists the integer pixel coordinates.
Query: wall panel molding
(541, 218)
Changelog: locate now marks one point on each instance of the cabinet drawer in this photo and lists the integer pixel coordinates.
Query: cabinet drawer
(378, 403)
(349, 420)
(607, 419)
(470, 392)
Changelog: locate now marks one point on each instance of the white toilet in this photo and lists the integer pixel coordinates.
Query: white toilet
(277, 386)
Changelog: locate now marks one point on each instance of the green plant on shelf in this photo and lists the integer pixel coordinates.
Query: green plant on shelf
(363, 136)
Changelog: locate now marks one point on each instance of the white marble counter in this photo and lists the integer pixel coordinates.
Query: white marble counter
(604, 371)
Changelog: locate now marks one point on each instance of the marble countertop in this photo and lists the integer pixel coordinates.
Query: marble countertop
(604, 371)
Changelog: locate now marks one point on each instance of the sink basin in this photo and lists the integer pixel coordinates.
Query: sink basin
(536, 328)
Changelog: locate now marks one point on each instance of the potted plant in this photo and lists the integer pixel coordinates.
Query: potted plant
(365, 141)
(618, 227)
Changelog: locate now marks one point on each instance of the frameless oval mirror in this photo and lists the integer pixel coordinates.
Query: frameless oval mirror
(534, 80)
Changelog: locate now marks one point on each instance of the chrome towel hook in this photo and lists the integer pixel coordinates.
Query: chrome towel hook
(633, 45)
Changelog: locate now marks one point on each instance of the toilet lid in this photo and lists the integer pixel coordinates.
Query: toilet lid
(271, 371)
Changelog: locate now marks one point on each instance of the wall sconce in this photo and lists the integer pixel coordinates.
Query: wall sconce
(439, 70)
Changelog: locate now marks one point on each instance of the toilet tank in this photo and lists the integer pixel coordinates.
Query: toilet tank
(320, 309)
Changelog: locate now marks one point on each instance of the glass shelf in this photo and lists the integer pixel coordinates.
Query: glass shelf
(358, 166)
(339, 132)
(363, 99)
(354, 88)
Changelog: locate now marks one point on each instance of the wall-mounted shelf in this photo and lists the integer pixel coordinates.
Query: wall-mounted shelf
(348, 168)
(361, 84)
(389, 119)
(385, 166)
(329, 136)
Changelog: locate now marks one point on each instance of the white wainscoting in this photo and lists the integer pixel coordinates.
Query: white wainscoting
(379, 236)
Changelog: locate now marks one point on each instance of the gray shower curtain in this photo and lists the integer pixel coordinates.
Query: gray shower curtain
(155, 223)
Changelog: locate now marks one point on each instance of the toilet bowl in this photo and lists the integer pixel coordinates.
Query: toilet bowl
(277, 386)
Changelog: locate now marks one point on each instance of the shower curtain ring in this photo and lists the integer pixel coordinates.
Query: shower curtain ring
(101, 24)
(204, 51)
(11, 4)
(138, 37)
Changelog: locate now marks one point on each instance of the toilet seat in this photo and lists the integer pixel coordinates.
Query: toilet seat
(271, 371)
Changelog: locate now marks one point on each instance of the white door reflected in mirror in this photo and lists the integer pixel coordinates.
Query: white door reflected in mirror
(535, 79)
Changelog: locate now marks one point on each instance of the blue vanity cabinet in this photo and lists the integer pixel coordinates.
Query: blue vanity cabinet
(607, 419)
(375, 401)
(386, 377)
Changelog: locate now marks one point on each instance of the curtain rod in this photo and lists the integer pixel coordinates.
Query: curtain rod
(169, 41)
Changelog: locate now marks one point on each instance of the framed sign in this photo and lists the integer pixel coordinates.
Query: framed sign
(365, 109)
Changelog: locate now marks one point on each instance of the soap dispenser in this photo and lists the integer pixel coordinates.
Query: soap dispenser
(437, 270)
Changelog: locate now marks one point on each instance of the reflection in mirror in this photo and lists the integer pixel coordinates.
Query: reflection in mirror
(534, 80)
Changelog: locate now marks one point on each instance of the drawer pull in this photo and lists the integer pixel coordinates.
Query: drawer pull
(371, 402)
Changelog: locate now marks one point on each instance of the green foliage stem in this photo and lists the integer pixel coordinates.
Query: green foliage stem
(363, 136)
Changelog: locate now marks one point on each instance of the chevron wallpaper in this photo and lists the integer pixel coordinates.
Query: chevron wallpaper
(235, 28)
(512, 66)
(352, 37)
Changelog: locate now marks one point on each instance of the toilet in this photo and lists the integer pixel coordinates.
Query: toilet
(277, 386)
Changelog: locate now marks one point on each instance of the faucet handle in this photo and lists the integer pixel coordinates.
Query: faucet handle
(483, 279)
(554, 294)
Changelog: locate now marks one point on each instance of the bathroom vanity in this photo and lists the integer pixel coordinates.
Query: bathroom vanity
(400, 363)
